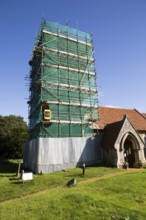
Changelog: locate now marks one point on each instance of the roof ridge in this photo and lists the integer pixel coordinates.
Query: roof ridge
(139, 113)
(114, 107)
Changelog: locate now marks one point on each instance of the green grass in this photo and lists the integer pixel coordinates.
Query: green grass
(120, 197)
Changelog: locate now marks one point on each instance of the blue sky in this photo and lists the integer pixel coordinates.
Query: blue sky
(119, 35)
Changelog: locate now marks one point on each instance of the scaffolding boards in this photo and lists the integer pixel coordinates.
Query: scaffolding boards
(63, 82)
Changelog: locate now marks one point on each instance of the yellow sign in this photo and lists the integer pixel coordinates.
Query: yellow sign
(47, 114)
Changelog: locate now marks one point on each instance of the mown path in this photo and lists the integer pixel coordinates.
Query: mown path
(81, 182)
(109, 175)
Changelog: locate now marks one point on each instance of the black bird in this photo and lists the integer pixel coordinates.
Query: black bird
(71, 182)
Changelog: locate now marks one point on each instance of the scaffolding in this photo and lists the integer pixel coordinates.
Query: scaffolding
(63, 82)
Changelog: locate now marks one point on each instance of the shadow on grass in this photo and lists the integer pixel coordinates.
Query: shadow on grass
(6, 175)
(14, 178)
(17, 183)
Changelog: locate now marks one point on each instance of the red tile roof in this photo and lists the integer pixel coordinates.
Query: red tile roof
(144, 114)
(108, 115)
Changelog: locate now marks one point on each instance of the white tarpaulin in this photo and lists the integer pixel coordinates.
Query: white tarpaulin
(51, 154)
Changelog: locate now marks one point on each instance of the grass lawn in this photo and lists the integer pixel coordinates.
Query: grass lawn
(121, 197)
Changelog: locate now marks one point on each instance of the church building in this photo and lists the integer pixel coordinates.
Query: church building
(122, 135)
(66, 125)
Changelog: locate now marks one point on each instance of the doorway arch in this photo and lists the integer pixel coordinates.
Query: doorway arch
(129, 153)
(130, 148)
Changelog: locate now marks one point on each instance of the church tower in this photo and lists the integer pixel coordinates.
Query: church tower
(63, 99)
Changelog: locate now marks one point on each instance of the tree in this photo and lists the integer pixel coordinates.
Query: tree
(13, 135)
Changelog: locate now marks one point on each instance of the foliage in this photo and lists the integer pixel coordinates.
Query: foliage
(13, 135)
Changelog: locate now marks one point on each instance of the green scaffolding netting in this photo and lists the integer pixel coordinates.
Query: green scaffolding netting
(63, 77)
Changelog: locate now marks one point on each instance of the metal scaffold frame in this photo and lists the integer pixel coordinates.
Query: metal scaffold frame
(62, 80)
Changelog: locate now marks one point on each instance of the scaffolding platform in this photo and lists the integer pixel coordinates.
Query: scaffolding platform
(63, 80)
